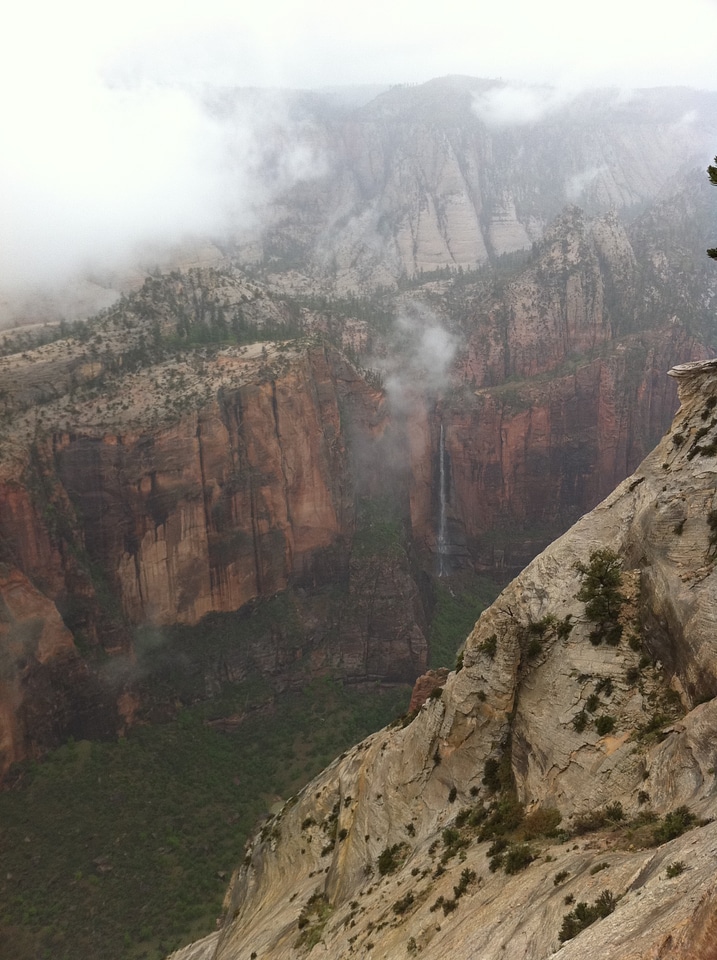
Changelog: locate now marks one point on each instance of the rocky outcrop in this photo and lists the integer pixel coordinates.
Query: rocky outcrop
(540, 713)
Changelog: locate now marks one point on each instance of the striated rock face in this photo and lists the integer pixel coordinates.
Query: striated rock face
(227, 503)
(250, 493)
(230, 503)
(444, 175)
(365, 838)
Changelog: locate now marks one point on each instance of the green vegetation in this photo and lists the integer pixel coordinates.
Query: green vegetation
(674, 824)
(380, 529)
(583, 915)
(454, 615)
(674, 869)
(517, 858)
(130, 844)
(489, 646)
(312, 920)
(391, 858)
(403, 904)
(604, 725)
(600, 591)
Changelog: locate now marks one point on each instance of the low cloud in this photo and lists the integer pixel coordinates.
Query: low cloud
(576, 185)
(101, 175)
(420, 356)
(519, 105)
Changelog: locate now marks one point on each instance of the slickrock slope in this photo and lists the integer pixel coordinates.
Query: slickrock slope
(383, 855)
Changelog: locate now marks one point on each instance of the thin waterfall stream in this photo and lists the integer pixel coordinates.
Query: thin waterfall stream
(442, 500)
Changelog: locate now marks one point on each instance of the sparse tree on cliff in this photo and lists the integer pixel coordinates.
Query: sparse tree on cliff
(712, 174)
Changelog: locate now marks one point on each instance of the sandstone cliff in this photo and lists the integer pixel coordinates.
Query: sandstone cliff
(189, 490)
(386, 850)
(558, 393)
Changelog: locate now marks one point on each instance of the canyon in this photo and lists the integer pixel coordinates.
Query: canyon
(149, 481)
(266, 463)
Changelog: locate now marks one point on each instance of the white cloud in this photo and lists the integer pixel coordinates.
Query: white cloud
(518, 105)
(420, 357)
(105, 147)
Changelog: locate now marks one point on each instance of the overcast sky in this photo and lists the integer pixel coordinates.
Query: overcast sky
(99, 151)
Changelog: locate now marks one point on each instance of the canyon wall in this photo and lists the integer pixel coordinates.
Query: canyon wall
(251, 494)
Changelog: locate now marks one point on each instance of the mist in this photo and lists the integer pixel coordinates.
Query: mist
(113, 152)
(419, 358)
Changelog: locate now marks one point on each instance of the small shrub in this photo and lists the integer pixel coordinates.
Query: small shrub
(589, 822)
(560, 876)
(592, 703)
(402, 905)
(675, 869)
(517, 858)
(502, 817)
(498, 846)
(491, 774)
(542, 822)
(489, 646)
(390, 858)
(580, 721)
(632, 676)
(643, 797)
(534, 648)
(604, 725)
(583, 915)
(614, 811)
(467, 877)
(598, 867)
(674, 825)
(604, 685)
(712, 524)
(600, 591)
(452, 794)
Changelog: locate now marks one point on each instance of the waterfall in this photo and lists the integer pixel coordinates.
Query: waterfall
(442, 542)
